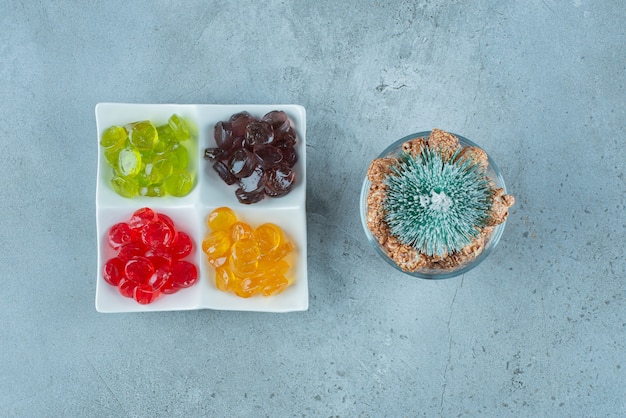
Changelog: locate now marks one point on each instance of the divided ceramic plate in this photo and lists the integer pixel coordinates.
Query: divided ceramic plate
(189, 213)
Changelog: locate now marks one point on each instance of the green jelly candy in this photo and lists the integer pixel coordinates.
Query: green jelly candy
(179, 127)
(143, 135)
(167, 139)
(179, 183)
(152, 190)
(126, 187)
(179, 157)
(129, 162)
(112, 156)
(158, 170)
(113, 138)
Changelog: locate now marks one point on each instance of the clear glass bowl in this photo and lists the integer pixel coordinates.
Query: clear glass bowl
(490, 243)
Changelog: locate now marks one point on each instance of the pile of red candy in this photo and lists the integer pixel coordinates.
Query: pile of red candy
(257, 155)
(149, 260)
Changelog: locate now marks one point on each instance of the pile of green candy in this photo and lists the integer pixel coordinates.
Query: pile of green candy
(148, 160)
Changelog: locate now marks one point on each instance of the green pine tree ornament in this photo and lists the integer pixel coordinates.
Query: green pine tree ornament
(436, 205)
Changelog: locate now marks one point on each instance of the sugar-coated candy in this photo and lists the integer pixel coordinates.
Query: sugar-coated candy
(150, 259)
(256, 155)
(149, 160)
(246, 261)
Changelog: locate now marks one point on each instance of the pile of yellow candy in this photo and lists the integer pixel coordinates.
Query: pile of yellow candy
(247, 261)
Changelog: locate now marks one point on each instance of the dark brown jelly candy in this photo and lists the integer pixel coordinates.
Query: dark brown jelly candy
(242, 163)
(290, 157)
(279, 181)
(213, 153)
(223, 135)
(285, 139)
(268, 157)
(278, 120)
(249, 198)
(258, 155)
(259, 134)
(222, 170)
(239, 122)
(253, 183)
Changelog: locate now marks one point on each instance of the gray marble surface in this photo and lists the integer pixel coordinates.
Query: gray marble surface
(538, 329)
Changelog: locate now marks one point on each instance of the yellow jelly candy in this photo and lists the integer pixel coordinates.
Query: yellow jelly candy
(244, 257)
(246, 287)
(274, 287)
(241, 230)
(223, 278)
(216, 244)
(221, 219)
(268, 237)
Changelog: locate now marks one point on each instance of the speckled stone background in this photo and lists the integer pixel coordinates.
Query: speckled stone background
(539, 329)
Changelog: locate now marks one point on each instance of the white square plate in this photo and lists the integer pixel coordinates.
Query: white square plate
(189, 213)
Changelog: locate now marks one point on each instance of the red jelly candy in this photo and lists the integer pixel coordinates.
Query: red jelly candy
(149, 257)
(158, 261)
(161, 278)
(119, 234)
(145, 294)
(127, 287)
(182, 247)
(164, 281)
(158, 234)
(141, 218)
(139, 270)
(113, 271)
(130, 250)
(184, 274)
